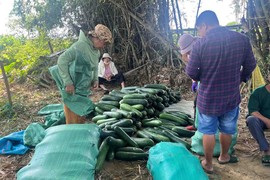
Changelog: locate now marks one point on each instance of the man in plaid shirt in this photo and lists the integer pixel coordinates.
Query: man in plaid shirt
(220, 60)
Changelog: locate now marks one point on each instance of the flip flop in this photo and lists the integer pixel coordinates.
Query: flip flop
(233, 159)
(207, 170)
(106, 91)
(266, 160)
(191, 128)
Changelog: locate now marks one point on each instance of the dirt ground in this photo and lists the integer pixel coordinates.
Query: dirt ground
(29, 99)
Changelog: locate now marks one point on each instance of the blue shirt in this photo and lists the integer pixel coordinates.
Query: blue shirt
(220, 61)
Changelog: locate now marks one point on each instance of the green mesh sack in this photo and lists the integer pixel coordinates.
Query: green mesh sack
(67, 152)
(197, 144)
(51, 108)
(55, 119)
(33, 134)
(169, 161)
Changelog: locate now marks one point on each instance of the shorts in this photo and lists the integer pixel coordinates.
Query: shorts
(226, 123)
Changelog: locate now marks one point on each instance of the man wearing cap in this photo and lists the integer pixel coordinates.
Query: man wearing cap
(77, 70)
(107, 73)
(220, 60)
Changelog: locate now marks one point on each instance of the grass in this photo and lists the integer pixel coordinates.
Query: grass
(26, 102)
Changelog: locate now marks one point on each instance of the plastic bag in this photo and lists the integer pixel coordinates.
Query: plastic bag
(13, 144)
(257, 78)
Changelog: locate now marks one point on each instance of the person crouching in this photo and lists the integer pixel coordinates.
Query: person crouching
(107, 73)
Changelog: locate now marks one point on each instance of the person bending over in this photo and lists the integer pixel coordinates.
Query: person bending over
(77, 70)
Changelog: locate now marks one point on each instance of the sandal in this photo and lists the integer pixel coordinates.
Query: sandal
(106, 91)
(191, 128)
(208, 171)
(266, 160)
(233, 159)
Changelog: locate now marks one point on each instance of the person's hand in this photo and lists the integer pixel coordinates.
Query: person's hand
(267, 123)
(95, 85)
(108, 78)
(194, 86)
(185, 58)
(70, 89)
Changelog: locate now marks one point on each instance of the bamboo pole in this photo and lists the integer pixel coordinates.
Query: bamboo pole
(50, 46)
(148, 26)
(179, 17)
(197, 13)
(135, 69)
(175, 17)
(6, 82)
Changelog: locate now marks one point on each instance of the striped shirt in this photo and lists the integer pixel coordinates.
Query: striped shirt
(220, 61)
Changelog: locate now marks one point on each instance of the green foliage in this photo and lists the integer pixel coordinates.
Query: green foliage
(265, 66)
(22, 54)
(232, 23)
(51, 14)
(6, 111)
(39, 14)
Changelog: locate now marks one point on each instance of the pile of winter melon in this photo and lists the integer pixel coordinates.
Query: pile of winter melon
(133, 119)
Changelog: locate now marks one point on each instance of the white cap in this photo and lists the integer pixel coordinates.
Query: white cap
(106, 55)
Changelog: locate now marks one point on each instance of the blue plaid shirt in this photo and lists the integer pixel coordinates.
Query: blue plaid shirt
(220, 61)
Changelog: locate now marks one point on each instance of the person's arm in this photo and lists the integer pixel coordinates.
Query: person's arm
(254, 107)
(249, 64)
(262, 118)
(113, 69)
(95, 79)
(193, 67)
(63, 65)
(95, 76)
(100, 69)
(194, 86)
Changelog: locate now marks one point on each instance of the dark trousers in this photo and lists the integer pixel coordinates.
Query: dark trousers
(118, 78)
(194, 107)
(256, 128)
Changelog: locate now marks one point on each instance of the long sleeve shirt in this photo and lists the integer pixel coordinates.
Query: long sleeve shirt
(79, 63)
(220, 61)
(101, 69)
(78, 66)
